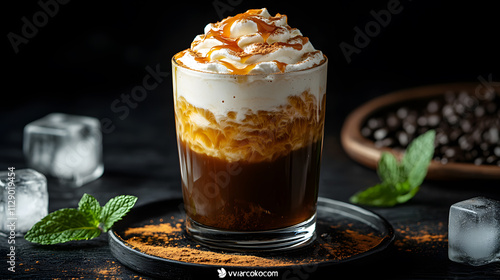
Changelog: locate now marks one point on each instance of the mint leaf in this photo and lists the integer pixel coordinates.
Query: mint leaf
(384, 195)
(378, 195)
(84, 223)
(388, 169)
(400, 180)
(115, 209)
(417, 158)
(90, 208)
(62, 226)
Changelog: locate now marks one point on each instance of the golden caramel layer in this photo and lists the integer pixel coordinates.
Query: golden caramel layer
(258, 136)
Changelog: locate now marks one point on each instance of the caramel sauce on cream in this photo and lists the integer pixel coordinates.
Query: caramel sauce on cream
(221, 31)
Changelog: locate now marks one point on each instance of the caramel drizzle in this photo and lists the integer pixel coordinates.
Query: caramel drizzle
(223, 33)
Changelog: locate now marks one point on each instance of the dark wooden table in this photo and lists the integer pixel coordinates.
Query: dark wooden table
(140, 158)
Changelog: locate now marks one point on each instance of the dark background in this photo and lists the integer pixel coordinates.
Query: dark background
(90, 53)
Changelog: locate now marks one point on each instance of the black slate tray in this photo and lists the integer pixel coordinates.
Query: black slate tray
(336, 223)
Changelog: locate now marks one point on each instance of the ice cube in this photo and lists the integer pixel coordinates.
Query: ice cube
(67, 147)
(24, 200)
(474, 231)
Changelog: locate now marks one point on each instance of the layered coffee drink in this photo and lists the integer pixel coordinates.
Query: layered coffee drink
(249, 98)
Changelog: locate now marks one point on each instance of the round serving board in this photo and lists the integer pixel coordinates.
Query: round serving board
(345, 234)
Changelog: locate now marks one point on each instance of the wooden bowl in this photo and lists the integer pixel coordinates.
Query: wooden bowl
(363, 150)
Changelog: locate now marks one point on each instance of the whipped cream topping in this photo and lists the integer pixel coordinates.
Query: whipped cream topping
(250, 43)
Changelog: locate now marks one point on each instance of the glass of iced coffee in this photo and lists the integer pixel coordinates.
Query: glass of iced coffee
(249, 98)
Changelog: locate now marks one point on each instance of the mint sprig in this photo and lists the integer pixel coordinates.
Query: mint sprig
(400, 180)
(86, 222)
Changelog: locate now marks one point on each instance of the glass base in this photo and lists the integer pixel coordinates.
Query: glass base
(270, 240)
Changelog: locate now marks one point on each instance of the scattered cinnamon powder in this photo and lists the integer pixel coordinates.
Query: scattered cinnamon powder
(168, 240)
(410, 237)
(353, 243)
(109, 268)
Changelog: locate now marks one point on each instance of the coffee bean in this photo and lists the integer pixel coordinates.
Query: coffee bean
(479, 111)
(433, 120)
(393, 121)
(402, 113)
(496, 151)
(491, 159)
(466, 126)
(442, 138)
(380, 134)
(433, 106)
(409, 128)
(366, 132)
(450, 153)
(469, 102)
(465, 143)
(494, 137)
(404, 140)
(422, 121)
(452, 119)
(448, 110)
(374, 123)
(459, 109)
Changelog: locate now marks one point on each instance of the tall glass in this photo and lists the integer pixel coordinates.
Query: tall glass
(250, 151)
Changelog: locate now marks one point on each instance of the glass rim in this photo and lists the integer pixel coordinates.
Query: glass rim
(314, 67)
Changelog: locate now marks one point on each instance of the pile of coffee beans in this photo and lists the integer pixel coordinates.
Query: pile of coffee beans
(467, 126)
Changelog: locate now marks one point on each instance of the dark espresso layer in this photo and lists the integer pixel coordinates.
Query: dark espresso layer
(243, 196)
